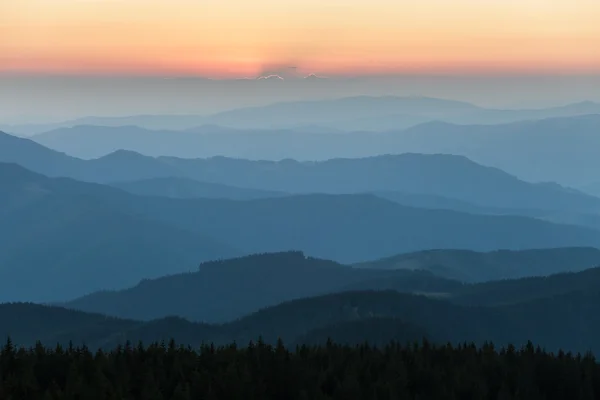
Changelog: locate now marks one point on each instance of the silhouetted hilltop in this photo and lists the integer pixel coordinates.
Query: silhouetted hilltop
(224, 290)
(245, 284)
(528, 289)
(569, 321)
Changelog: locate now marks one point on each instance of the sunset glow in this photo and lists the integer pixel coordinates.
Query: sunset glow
(222, 38)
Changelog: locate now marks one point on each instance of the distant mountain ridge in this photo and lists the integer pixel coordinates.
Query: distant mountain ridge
(438, 174)
(371, 113)
(185, 188)
(449, 176)
(554, 149)
(120, 238)
(60, 239)
(470, 266)
(549, 149)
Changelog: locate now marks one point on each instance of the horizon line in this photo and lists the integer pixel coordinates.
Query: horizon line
(310, 77)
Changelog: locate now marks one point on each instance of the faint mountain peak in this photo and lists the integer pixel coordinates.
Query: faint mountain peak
(123, 155)
(272, 77)
(314, 77)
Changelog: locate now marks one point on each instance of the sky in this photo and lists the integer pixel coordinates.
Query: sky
(238, 38)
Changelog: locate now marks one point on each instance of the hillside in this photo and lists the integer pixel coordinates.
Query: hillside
(591, 188)
(119, 238)
(241, 285)
(552, 149)
(119, 166)
(551, 322)
(449, 176)
(515, 291)
(370, 113)
(61, 239)
(26, 323)
(345, 228)
(378, 113)
(436, 202)
(247, 284)
(332, 113)
(470, 266)
(355, 228)
(185, 188)
(36, 157)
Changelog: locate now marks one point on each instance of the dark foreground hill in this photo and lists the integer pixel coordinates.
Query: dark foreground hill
(225, 290)
(515, 291)
(249, 283)
(570, 321)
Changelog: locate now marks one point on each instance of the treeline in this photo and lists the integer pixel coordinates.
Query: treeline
(260, 371)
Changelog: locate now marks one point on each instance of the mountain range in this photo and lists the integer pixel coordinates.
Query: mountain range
(549, 321)
(186, 188)
(61, 239)
(475, 267)
(553, 149)
(375, 222)
(250, 283)
(367, 113)
(454, 177)
(120, 238)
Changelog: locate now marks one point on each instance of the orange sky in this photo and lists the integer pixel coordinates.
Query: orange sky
(245, 37)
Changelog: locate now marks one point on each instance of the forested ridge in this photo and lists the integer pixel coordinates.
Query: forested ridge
(261, 371)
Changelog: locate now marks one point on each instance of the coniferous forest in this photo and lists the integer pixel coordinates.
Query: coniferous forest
(261, 371)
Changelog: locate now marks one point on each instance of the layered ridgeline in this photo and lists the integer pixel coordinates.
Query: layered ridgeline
(473, 267)
(450, 177)
(186, 188)
(366, 113)
(225, 290)
(62, 238)
(565, 319)
(328, 114)
(553, 149)
(246, 284)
